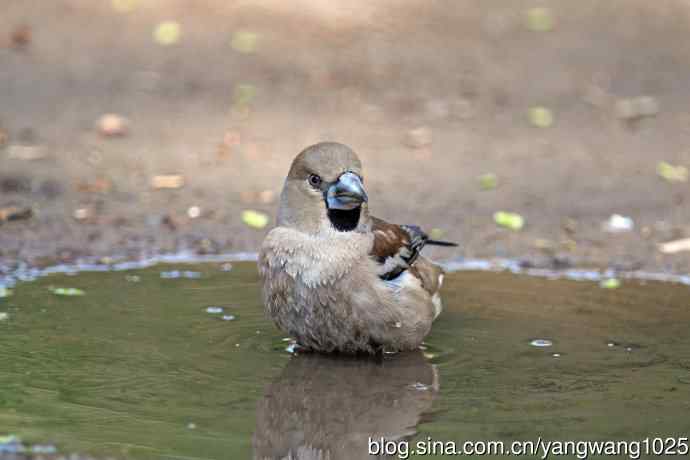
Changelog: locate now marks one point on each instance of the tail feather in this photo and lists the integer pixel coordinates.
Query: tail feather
(441, 243)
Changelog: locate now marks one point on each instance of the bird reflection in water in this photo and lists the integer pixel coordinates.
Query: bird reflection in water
(329, 407)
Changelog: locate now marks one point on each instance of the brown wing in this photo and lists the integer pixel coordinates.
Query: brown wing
(396, 247)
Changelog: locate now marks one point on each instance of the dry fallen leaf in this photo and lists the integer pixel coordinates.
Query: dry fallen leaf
(14, 213)
(98, 185)
(21, 36)
(266, 196)
(675, 246)
(170, 181)
(636, 107)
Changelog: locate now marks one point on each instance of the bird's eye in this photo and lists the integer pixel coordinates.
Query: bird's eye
(314, 180)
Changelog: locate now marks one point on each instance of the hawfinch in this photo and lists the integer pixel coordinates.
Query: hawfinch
(334, 277)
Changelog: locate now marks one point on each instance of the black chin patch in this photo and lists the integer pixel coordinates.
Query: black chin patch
(344, 221)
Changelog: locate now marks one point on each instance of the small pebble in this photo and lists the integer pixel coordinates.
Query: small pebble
(47, 449)
(420, 386)
(226, 267)
(112, 125)
(673, 247)
(419, 137)
(26, 152)
(81, 213)
(618, 224)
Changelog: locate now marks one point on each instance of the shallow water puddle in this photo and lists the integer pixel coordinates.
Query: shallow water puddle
(156, 369)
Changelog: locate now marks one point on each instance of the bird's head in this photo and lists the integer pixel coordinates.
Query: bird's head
(324, 185)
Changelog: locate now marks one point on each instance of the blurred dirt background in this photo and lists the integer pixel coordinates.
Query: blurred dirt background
(562, 111)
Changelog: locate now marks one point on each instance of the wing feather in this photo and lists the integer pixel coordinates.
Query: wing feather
(396, 247)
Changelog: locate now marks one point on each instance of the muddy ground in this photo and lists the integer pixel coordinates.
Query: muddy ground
(246, 85)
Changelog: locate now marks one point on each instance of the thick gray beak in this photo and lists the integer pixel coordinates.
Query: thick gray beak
(347, 193)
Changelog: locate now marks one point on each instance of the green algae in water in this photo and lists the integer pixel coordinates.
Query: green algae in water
(141, 370)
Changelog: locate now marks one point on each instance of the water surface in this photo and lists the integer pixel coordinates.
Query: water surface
(140, 367)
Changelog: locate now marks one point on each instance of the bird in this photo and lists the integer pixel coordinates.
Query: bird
(335, 278)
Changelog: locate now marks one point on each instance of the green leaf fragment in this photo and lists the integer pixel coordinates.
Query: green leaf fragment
(68, 292)
(488, 181)
(436, 233)
(167, 33)
(672, 173)
(510, 220)
(244, 94)
(244, 42)
(541, 117)
(254, 219)
(539, 19)
(610, 283)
